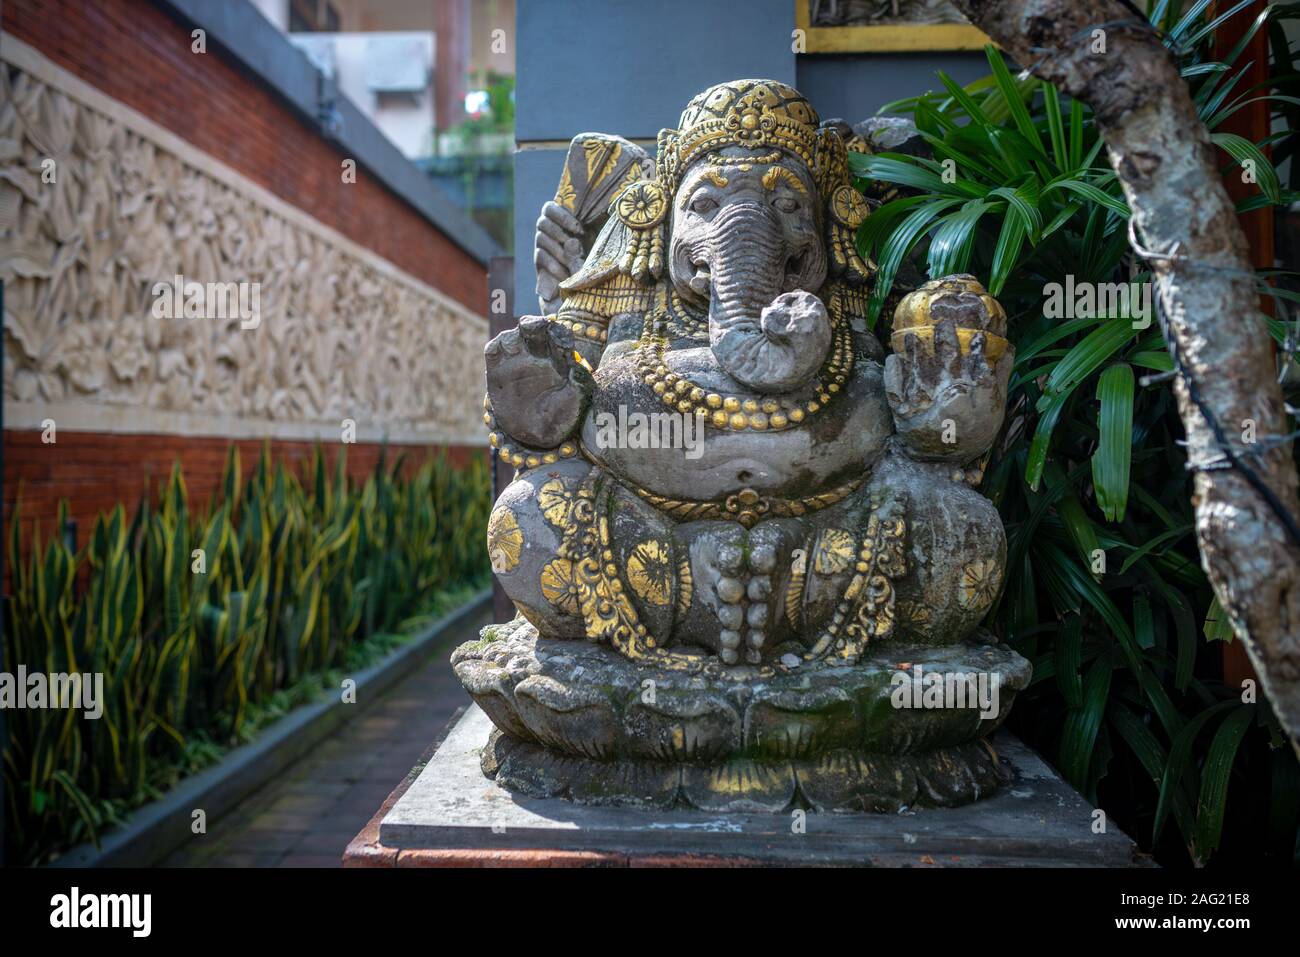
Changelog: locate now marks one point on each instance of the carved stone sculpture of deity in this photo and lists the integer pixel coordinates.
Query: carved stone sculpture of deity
(745, 544)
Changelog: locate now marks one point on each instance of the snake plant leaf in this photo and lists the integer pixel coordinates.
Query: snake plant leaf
(187, 655)
(1086, 357)
(898, 245)
(1245, 152)
(1150, 754)
(230, 479)
(1013, 95)
(1068, 659)
(952, 242)
(1218, 627)
(1090, 193)
(1112, 460)
(1214, 781)
(1079, 733)
(1037, 458)
(1180, 774)
(1167, 537)
(1143, 622)
(965, 101)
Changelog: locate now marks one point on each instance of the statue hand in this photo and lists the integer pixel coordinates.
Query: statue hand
(947, 405)
(559, 253)
(537, 390)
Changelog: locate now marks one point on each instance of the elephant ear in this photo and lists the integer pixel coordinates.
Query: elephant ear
(627, 258)
(632, 240)
(846, 209)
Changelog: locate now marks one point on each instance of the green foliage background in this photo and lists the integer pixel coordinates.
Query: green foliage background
(1127, 697)
(298, 580)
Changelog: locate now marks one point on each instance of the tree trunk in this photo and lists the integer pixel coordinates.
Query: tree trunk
(1162, 154)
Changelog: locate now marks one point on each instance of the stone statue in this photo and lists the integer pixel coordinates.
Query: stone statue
(740, 534)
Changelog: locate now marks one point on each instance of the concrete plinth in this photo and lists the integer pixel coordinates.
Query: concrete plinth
(449, 814)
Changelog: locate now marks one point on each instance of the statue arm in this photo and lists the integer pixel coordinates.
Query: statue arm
(538, 391)
(946, 380)
(559, 248)
(596, 166)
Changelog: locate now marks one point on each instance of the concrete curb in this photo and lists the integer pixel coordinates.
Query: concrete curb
(158, 828)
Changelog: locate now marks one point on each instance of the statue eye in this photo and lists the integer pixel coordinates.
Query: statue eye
(703, 205)
(785, 204)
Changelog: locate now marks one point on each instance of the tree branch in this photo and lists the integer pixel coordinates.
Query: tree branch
(1162, 154)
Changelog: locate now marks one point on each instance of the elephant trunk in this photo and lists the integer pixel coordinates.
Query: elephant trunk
(769, 341)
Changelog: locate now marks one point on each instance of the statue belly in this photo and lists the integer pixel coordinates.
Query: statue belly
(826, 450)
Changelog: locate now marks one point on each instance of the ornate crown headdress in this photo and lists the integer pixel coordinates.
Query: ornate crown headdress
(760, 115)
(755, 114)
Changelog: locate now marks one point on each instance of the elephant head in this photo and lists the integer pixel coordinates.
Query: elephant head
(746, 241)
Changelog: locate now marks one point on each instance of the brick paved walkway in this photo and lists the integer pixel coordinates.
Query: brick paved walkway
(307, 817)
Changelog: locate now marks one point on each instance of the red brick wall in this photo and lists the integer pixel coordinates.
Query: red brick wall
(95, 471)
(138, 54)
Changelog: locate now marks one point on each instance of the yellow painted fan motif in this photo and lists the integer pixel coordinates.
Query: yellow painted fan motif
(650, 572)
(979, 584)
(555, 502)
(558, 586)
(505, 540)
(835, 551)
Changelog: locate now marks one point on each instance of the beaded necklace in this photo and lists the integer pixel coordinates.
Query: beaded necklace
(725, 411)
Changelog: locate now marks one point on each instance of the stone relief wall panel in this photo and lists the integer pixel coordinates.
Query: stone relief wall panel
(98, 205)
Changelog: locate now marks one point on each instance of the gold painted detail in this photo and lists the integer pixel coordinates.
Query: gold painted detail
(519, 455)
(979, 584)
(794, 594)
(844, 255)
(779, 174)
(745, 162)
(866, 609)
(684, 321)
(995, 346)
(913, 616)
(617, 294)
(642, 205)
(555, 503)
(685, 585)
(605, 604)
(505, 540)
(716, 178)
(593, 329)
(770, 116)
(746, 506)
(896, 37)
(834, 551)
(916, 308)
(754, 114)
(565, 194)
(602, 157)
(893, 37)
(644, 257)
(848, 206)
(847, 302)
(650, 572)
(558, 586)
(606, 609)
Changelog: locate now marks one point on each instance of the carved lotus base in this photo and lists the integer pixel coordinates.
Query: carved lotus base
(843, 779)
(577, 720)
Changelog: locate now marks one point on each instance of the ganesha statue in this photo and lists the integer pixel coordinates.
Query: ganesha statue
(745, 543)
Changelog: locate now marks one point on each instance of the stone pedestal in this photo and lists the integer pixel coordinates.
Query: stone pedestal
(449, 814)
